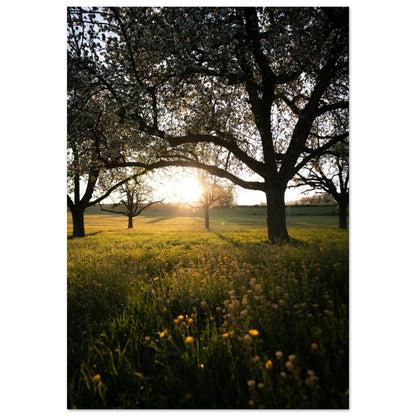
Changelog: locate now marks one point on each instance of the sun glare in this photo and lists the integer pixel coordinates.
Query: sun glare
(187, 189)
(181, 188)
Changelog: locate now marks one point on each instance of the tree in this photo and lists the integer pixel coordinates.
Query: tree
(135, 199)
(88, 137)
(255, 83)
(330, 174)
(213, 192)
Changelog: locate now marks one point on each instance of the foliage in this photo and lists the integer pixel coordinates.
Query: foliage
(261, 86)
(208, 320)
(330, 174)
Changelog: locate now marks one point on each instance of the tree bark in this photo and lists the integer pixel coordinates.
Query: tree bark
(130, 222)
(276, 214)
(206, 211)
(343, 215)
(78, 229)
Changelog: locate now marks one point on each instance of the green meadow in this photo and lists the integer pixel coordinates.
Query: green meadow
(169, 315)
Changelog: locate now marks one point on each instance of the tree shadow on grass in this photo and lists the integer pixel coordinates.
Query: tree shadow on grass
(227, 239)
(238, 243)
(157, 220)
(71, 237)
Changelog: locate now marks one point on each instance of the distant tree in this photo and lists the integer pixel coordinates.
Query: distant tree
(330, 174)
(134, 200)
(256, 83)
(214, 193)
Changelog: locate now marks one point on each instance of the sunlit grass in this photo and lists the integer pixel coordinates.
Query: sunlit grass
(178, 317)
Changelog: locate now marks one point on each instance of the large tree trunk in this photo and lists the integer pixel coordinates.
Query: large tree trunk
(276, 214)
(343, 215)
(130, 222)
(206, 211)
(78, 229)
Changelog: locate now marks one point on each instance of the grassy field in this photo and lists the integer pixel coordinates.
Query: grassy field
(168, 315)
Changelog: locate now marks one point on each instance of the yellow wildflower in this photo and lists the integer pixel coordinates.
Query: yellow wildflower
(189, 340)
(269, 365)
(180, 318)
(279, 355)
(314, 346)
(254, 333)
(226, 335)
(163, 334)
(190, 321)
(96, 378)
(147, 338)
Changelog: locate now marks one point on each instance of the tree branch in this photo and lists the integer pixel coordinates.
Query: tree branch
(330, 107)
(110, 190)
(213, 170)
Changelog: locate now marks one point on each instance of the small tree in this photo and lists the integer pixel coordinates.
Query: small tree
(214, 193)
(135, 199)
(330, 174)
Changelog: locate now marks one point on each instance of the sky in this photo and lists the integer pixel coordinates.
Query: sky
(182, 186)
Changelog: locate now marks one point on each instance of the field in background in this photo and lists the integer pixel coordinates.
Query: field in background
(168, 315)
(162, 219)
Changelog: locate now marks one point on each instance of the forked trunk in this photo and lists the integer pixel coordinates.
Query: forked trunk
(276, 214)
(206, 210)
(130, 222)
(78, 229)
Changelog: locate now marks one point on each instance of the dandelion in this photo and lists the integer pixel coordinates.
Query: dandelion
(269, 365)
(163, 334)
(189, 340)
(251, 384)
(279, 355)
(254, 333)
(260, 386)
(147, 338)
(226, 335)
(289, 365)
(314, 346)
(190, 321)
(96, 378)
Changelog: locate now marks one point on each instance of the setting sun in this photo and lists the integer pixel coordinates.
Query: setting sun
(181, 187)
(187, 188)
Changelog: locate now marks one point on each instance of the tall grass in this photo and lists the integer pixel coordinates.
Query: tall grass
(208, 320)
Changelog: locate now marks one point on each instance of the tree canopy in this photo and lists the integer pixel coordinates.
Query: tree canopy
(261, 86)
